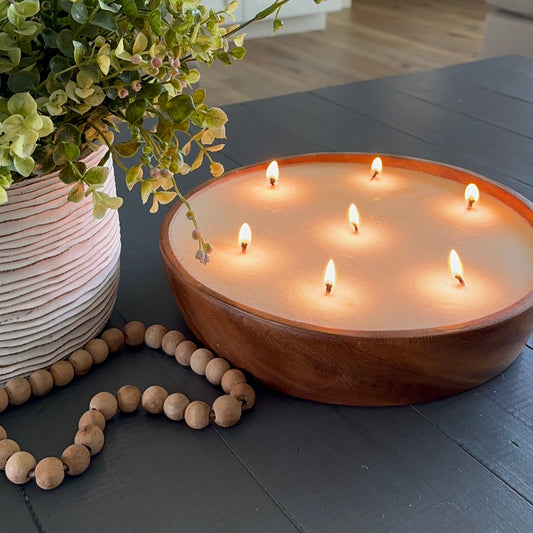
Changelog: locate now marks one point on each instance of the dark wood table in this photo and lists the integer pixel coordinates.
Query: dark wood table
(464, 464)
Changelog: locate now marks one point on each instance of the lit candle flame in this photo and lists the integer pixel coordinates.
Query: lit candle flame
(456, 267)
(272, 173)
(471, 195)
(377, 167)
(245, 236)
(329, 277)
(353, 216)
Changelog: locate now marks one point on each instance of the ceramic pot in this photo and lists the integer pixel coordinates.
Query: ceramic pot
(59, 271)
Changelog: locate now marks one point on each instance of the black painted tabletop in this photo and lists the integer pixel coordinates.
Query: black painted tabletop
(463, 464)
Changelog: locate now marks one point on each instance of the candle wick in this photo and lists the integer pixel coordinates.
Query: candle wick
(355, 228)
(470, 203)
(244, 245)
(376, 172)
(273, 182)
(329, 286)
(459, 278)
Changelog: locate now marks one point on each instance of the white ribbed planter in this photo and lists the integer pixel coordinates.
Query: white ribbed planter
(59, 270)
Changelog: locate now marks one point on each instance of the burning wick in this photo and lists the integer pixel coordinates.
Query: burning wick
(456, 268)
(329, 277)
(471, 195)
(245, 236)
(272, 173)
(353, 217)
(377, 167)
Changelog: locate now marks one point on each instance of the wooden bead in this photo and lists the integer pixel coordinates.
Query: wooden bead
(199, 360)
(41, 382)
(153, 336)
(49, 473)
(215, 369)
(104, 402)
(245, 394)
(128, 398)
(153, 399)
(134, 333)
(4, 399)
(197, 414)
(183, 352)
(92, 437)
(82, 362)
(18, 390)
(175, 405)
(92, 418)
(114, 338)
(231, 378)
(227, 410)
(19, 466)
(76, 458)
(7, 448)
(171, 339)
(99, 349)
(3, 433)
(62, 372)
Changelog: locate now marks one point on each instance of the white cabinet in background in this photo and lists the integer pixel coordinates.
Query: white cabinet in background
(298, 15)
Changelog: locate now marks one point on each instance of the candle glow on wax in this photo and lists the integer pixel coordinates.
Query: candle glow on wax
(353, 217)
(245, 236)
(329, 276)
(471, 195)
(456, 267)
(377, 167)
(272, 173)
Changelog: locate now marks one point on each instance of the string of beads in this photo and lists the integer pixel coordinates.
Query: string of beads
(20, 466)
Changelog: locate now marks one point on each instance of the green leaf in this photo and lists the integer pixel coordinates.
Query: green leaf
(140, 44)
(198, 97)
(238, 52)
(50, 38)
(133, 175)
(151, 90)
(68, 133)
(215, 118)
(146, 191)
(20, 82)
(79, 12)
(96, 176)
(114, 8)
(79, 52)
(135, 111)
(71, 151)
(64, 43)
(104, 20)
(154, 18)
(3, 195)
(180, 107)
(127, 149)
(113, 202)
(130, 8)
(23, 165)
(68, 175)
(224, 57)
(76, 194)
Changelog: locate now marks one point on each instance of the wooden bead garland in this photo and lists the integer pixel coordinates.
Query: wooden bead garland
(21, 466)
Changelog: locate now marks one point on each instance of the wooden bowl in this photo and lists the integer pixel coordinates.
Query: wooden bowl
(356, 367)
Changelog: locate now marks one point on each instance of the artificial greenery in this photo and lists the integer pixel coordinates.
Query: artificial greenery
(71, 71)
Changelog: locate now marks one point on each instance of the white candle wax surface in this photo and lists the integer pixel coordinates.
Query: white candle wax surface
(392, 275)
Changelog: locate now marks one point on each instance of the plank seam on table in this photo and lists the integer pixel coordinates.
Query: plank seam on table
(33, 514)
(472, 456)
(473, 117)
(289, 516)
(430, 143)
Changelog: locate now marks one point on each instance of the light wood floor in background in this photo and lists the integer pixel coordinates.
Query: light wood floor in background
(374, 38)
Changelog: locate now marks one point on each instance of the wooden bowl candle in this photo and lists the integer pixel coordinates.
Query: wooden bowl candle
(391, 324)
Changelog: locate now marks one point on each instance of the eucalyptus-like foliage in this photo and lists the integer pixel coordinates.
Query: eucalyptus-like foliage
(71, 71)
